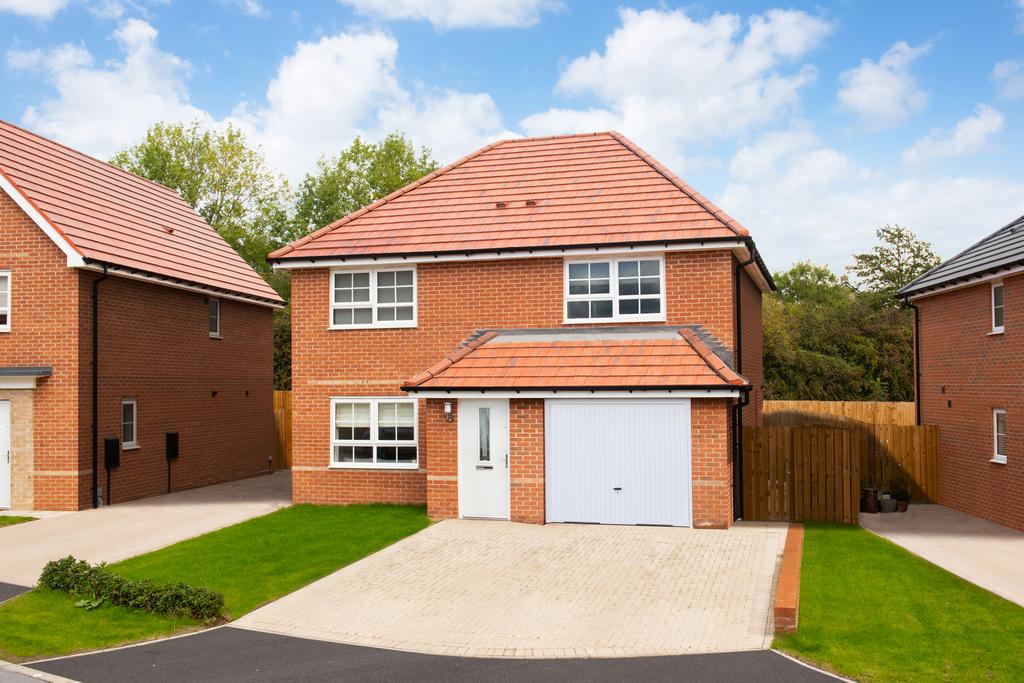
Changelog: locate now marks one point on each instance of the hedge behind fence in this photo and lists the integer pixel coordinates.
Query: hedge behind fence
(78, 577)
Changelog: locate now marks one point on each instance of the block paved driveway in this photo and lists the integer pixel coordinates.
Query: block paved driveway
(498, 589)
(123, 530)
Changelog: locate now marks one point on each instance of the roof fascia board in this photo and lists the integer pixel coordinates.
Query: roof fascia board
(168, 282)
(715, 392)
(971, 281)
(74, 257)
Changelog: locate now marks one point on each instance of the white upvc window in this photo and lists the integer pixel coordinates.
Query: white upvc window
(999, 435)
(626, 288)
(213, 306)
(5, 301)
(129, 423)
(384, 297)
(374, 433)
(998, 308)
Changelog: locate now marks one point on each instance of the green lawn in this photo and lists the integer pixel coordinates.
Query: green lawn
(872, 611)
(250, 563)
(8, 520)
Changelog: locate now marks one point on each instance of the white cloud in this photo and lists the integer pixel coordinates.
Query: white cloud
(37, 9)
(324, 94)
(666, 79)
(968, 136)
(252, 8)
(1008, 77)
(100, 108)
(803, 200)
(884, 93)
(448, 14)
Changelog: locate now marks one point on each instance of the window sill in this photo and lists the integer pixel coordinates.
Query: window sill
(371, 466)
(133, 447)
(216, 336)
(998, 461)
(995, 332)
(375, 326)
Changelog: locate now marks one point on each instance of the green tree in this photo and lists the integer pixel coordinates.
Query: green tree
(893, 263)
(227, 182)
(359, 175)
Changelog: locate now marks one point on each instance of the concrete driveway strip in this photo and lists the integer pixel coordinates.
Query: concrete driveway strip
(985, 553)
(127, 529)
(498, 589)
(230, 654)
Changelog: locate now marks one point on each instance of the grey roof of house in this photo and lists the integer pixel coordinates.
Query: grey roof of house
(1001, 250)
(27, 371)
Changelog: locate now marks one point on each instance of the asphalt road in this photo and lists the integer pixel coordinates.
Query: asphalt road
(233, 654)
(10, 590)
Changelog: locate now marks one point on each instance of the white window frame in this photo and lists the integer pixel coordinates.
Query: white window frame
(998, 457)
(997, 329)
(134, 443)
(6, 327)
(373, 442)
(613, 277)
(211, 300)
(372, 303)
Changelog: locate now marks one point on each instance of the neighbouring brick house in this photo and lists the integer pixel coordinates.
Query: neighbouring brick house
(183, 327)
(970, 349)
(550, 329)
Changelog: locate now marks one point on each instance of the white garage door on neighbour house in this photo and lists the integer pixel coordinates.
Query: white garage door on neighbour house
(611, 461)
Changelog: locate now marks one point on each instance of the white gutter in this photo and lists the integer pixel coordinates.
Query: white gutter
(596, 393)
(970, 282)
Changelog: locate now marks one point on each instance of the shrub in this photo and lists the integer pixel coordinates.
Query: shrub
(78, 577)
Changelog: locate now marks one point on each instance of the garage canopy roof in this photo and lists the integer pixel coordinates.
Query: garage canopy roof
(604, 359)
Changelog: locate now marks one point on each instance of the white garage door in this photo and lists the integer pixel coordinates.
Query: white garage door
(618, 461)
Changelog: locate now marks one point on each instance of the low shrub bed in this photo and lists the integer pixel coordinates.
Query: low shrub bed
(98, 584)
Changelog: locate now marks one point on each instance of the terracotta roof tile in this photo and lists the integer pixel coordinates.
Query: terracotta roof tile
(592, 189)
(549, 361)
(112, 216)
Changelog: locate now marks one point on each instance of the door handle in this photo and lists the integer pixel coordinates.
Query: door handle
(506, 461)
(616, 488)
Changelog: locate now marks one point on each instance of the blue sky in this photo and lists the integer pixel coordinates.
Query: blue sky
(811, 123)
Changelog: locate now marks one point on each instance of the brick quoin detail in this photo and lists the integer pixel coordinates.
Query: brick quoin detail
(979, 371)
(154, 347)
(454, 300)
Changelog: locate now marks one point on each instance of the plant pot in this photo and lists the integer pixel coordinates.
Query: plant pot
(887, 505)
(869, 499)
(902, 505)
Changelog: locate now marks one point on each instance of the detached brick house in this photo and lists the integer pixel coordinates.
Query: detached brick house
(182, 327)
(550, 329)
(969, 320)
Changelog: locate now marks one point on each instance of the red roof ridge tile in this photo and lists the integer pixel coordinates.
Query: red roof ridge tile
(458, 353)
(703, 201)
(710, 357)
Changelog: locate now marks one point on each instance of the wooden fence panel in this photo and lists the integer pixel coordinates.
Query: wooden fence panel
(283, 430)
(797, 413)
(816, 472)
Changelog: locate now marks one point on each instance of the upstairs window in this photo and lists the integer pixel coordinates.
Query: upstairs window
(999, 435)
(5, 301)
(613, 290)
(998, 308)
(129, 424)
(373, 298)
(214, 317)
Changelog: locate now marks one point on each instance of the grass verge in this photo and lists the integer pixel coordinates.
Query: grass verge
(873, 611)
(10, 520)
(250, 563)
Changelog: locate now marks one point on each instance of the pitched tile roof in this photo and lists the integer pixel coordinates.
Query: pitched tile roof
(110, 216)
(1001, 250)
(577, 190)
(601, 359)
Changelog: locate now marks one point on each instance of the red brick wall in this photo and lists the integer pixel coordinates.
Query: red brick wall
(155, 347)
(753, 347)
(712, 463)
(978, 371)
(44, 296)
(526, 460)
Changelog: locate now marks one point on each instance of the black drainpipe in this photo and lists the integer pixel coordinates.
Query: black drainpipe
(95, 387)
(737, 408)
(917, 362)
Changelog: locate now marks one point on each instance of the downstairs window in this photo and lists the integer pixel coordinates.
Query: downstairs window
(374, 433)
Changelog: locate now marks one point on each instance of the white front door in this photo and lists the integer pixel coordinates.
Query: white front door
(483, 458)
(5, 454)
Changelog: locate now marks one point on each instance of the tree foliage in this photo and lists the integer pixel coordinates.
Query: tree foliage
(359, 175)
(893, 263)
